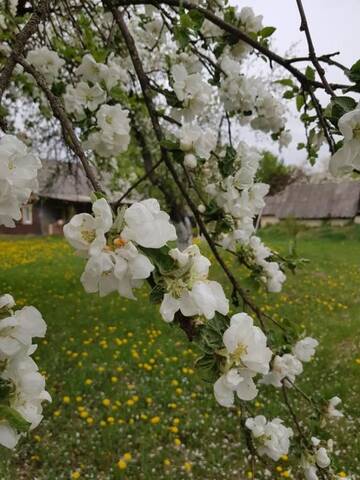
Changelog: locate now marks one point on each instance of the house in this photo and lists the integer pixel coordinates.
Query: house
(314, 204)
(63, 191)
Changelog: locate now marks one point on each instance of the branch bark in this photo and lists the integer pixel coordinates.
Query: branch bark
(68, 130)
(146, 90)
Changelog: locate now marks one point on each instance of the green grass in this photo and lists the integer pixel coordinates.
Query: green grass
(145, 368)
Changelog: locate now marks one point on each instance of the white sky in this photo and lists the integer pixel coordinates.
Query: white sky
(334, 26)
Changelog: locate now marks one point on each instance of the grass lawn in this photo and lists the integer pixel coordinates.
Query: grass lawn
(123, 382)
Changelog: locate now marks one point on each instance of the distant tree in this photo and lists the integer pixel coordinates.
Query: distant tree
(274, 172)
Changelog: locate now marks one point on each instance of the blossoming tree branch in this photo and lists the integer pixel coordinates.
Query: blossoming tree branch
(158, 93)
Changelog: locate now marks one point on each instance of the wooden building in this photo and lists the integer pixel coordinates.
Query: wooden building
(63, 191)
(313, 204)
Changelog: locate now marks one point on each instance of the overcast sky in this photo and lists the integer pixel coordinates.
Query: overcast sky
(334, 27)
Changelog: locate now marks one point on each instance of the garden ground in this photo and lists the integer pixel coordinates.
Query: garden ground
(127, 402)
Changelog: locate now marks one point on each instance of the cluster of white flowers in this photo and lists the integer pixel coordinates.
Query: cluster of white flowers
(114, 263)
(272, 437)
(112, 135)
(246, 355)
(191, 89)
(189, 290)
(250, 24)
(46, 62)
(289, 365)
(239, 195)
(110, 74)
(347, 158)
(196, 142)
(319, 459)
(251, 98)
(18, 178)
(243, 199)
(22, 387)
(273, 276)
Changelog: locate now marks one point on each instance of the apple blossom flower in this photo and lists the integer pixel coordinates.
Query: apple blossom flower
(120, 270)
(83, 96)
(148, 225)
(304, 349)
(90, 70)
(18, 177)
(114, 135)
(246, 355)
(28, 386)
(46, 61)
(86, 232)
(190, 89)
(285, 366)
(347, 158)
(193, 139)
(272, 437)
(18, 330)
(192, 293)
(7, 302)
(331, 410)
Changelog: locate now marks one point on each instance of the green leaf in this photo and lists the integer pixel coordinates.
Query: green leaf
(118, 94)
(310, 73)
(346, 103)
(157, 294)
(160, 257)
(300, 101)
(208, 369)
(354, 74)
(226, 164)
(287, 82)
(288, 94)
(181, 36)
(14, 418)
(267, 32)
(170, 144)
(197, 19)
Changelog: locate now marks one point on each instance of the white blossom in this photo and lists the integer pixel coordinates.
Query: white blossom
(86, 232)
(148, 225)
(114, 135)
(190, 89)
(46, 62)
(285, 366)
(347, 158)
(272, 437)
(83, 96)
(193, 139)
(192, 293)
(7, 301)
(17, 331)
(18, 177)
(304, 349)
(121, 271)
(331, 410)
(28, 394)
(90, 70)
(246, 355)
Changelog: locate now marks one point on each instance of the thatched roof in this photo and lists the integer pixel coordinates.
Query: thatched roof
(315, 201)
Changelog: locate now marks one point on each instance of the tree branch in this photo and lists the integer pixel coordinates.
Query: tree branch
(21, 40)
(67, 127)
(146, 90)
(304, 27)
